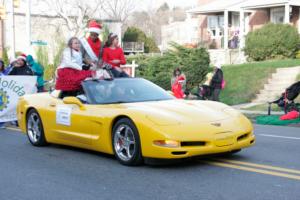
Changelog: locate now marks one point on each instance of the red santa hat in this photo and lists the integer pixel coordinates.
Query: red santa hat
(94, 27)
(22, 56)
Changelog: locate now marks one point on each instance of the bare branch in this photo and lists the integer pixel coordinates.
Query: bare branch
(75, 13)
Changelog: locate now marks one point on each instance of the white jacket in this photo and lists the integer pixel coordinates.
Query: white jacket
(73, 61)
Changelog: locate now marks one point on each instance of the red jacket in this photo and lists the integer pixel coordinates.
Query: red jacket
(177, 88)
(69, 79)
(110, 54)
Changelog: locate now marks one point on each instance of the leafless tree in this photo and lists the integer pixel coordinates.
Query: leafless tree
(119, 9)
(75, 13)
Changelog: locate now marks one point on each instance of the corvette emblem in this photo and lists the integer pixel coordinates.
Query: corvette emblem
(216, 124)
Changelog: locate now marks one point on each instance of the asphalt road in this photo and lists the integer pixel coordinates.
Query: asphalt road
(269, 170)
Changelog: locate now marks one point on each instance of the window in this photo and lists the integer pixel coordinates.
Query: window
(277, 15)
(212, 22)
(235, 20)
(215, 24)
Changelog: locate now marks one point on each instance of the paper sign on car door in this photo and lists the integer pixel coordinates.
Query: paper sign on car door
(63, 115)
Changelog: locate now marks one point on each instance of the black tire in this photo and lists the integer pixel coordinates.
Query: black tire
(123, 134)
(34, 129)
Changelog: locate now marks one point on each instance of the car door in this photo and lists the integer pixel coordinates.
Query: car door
(70, 124)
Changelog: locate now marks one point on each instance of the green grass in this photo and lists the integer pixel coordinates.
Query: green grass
(298, 77)
(244, 81)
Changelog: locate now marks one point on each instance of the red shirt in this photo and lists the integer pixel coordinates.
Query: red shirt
(69, 79)
(95, 46)
(110, 54)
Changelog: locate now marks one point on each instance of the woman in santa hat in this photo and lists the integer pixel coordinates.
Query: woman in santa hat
(20, 67)
(92, 47)
(113, 55)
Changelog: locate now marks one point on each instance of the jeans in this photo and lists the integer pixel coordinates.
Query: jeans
(118, 74)
(215, 94)
(40, 89)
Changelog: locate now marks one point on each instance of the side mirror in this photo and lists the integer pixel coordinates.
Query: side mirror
(74, 100)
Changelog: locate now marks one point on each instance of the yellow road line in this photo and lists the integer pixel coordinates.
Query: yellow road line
(262, 171)
(260, 166)
(13, 129)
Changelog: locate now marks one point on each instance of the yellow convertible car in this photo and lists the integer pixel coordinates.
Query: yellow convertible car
(133, 119)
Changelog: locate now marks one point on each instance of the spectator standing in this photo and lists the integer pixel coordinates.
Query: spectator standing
(234, 40)
(114, 55)
(178, 82)
(2, 68)
(20, 67)
(216, 82)
(38, 70)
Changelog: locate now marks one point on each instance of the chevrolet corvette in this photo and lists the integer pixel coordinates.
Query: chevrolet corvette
(133, 119)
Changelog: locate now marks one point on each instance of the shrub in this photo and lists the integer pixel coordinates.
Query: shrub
(158, 69)
(298, 54)
(50, 68)
(272, 41)
(42, 55)
(133, 34)
(5, 57)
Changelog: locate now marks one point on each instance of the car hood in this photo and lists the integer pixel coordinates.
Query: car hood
(174, 112)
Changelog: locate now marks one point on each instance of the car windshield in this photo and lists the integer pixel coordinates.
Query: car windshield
(124, 90)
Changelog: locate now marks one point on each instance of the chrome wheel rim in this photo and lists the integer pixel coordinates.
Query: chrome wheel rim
(33, 127)
(124, 142)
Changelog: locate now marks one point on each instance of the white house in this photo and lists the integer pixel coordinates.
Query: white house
(181, 32)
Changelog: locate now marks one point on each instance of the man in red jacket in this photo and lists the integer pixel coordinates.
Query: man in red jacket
(91, 47)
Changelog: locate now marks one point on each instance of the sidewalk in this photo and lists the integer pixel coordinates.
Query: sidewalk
(260, 112)
(243, 109)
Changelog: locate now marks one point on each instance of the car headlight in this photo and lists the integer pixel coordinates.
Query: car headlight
(167, 143)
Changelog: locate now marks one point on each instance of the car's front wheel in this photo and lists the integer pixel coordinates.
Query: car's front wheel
(35, 130)
(126, 143)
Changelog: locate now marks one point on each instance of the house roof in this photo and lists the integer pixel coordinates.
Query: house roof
(218, 6)
(236, 5)
(253, 4)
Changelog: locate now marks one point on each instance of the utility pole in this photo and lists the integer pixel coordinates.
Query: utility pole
(28, 24)
(11, 27)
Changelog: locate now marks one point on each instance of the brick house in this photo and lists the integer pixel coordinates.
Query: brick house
(224, 24)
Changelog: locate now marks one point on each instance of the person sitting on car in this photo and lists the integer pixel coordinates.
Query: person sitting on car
(113, 54)
(70, 74)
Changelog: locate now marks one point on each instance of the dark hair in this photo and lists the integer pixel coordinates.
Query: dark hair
(2, 66)
(70, 42)
(110, 39)
(176, 70)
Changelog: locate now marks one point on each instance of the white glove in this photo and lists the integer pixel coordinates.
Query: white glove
(99, 74)
(106, 75)
(93, 67)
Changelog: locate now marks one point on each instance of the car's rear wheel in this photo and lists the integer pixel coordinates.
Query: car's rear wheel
(126, 143)
(35, 130)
